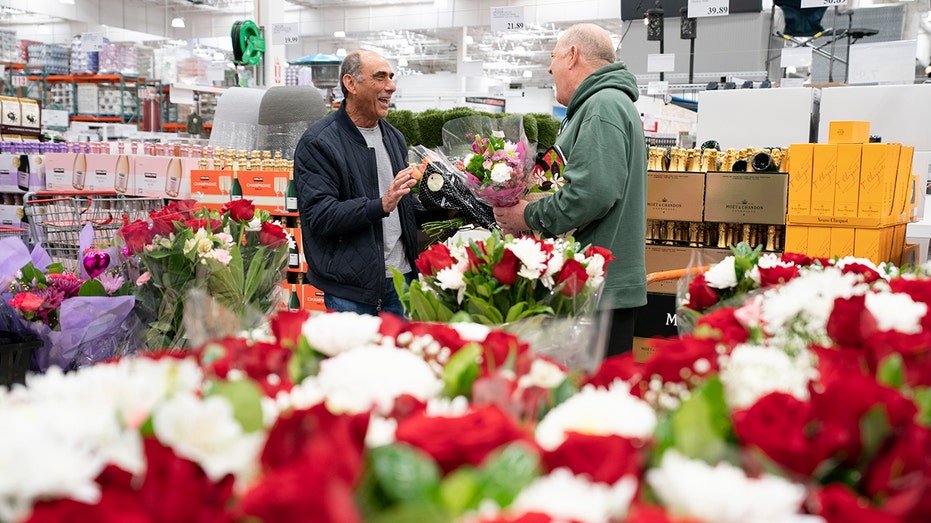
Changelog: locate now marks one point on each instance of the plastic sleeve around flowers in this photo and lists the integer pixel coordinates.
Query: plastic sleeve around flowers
(443, 187)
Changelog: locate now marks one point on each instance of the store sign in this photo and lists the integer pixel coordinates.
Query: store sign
(286, 34)
(821, 3)
(507, 19)
(657, 88)
(703, 8)
(91, 42)
(661, 63)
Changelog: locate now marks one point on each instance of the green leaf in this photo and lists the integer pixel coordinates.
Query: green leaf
(874, 429)
(402, 288)
(478, 307)
(459, 490)
(701, 424)
(421, 513)
(256, 273)
(461, 371)
(246, 398)
(236, 267)
(405, 474)
(30, 273)
(92, 288)
(922, 398)
(507, 472)
(514, 313)
(891, 371)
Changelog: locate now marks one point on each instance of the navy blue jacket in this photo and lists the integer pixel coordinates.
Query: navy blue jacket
(341, 211)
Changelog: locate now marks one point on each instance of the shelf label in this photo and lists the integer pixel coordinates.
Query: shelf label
(507, 19)
(821, 3)
(703, 8)
(286, 34)
(657, 88)
(91, 42)
(661, 63)
(54, 118)
(20, 81)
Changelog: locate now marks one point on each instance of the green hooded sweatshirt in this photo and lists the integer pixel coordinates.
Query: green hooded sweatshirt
(604, 197)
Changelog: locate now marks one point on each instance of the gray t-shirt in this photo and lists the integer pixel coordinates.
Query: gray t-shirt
(391, 226)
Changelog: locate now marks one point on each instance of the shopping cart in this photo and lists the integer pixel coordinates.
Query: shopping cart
(7, 231)
(56, 220)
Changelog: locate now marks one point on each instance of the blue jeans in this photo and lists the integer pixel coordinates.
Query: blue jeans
(389, 303)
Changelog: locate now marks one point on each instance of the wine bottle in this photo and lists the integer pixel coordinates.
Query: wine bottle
(290, 199)
(763, 162)
(294, 303)
(235, 188)
(22, 173)
(78, 173)
(121, 184)
(173, 182)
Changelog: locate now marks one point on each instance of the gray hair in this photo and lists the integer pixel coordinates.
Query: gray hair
(352, 65)
(592, 41)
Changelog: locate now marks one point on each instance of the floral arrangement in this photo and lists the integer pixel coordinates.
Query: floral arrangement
(79, 320)
(237, 255)
(381, 419)
(504, 279)
(496, 170)
(546, 176)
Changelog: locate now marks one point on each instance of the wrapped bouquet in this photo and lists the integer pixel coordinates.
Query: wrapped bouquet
(237, 255)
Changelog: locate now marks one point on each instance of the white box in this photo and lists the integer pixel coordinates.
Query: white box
(87, 95)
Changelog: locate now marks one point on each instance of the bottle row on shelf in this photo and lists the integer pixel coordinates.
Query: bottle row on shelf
(707, 159)
(719, 235)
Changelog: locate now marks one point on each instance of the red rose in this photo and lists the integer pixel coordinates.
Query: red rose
(526, 517)
(836, 363)
(499, 346)
(136, 235)
(605, 459)
(777, 275)
(899, 475)
(476, 254)
(505, 271)
(724, 327)
(802, 260)
(177, 490)
(265, 363)
(850, 322)
(867, 274)
(272, 235)
(914, 349)
(460, 440)
(671, 355)
(701, 296)
(436, 258)
(163, 221)
(605, 253)
(837, 503)
(240, 210)
(643, 513)
(208, 224)
(27, 302)
(572, 277)
(288, 325)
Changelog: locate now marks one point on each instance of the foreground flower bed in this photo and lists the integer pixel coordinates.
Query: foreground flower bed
(789, 407)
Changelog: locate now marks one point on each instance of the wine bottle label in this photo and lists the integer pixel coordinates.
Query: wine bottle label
(122, 180)
(22, 180)
(78, 180)
(293, 260)
(291, 203)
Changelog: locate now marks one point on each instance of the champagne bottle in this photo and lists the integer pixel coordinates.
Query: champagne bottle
(290, 201)
(121, 184)
(78, 173)
(173, 182)
(294, 258)
(763, 162)
(235, 188)
(294, 303)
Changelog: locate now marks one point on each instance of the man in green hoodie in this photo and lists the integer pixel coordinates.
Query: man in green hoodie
(604, 198)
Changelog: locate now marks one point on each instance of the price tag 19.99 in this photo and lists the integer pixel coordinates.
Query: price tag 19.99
(702, 8)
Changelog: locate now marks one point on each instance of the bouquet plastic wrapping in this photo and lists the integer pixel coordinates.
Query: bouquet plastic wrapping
(75, 330)
(493, 155)
(545, 290)
(237, 256)
(443, 186)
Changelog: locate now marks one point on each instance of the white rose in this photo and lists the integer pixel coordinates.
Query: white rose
(501, 173)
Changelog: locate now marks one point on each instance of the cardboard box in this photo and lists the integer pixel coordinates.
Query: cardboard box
(672, 196)
(872, 168)
(312, 298)
(890, 176)
(31, 114)
(823, 179)
(903, 198)
(11, 215)
(746, 197)
(849, 131)
(898, 244)
(162, 176)
(10, 112)
(796, 239)
(874, 244)
(801, 156)
(643, 349)
(66, 172)
(847, 180)
(20, 173)
(842, 241)
(259, 186)
(819, 242)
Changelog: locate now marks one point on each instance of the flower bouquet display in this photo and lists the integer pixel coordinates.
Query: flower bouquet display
(79, 320)
(546, 290)
(237, 255)
(494, 156)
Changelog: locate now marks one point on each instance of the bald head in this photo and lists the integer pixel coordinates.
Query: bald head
(593, 42)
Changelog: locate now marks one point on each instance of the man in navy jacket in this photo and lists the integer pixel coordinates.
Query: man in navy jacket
(354, 183)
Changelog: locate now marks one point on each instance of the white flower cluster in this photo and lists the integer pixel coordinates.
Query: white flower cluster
(335, 333)
(752, 371)
(567, 497)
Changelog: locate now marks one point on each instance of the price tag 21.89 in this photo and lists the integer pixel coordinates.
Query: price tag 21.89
(702, 8)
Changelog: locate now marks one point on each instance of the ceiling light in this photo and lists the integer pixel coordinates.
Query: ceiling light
(340, 52)
(339, 34)
(177, 22)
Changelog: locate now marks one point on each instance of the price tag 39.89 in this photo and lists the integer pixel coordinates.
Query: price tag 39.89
(703, 8)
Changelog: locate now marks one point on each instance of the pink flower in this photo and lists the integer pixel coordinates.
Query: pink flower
(143, 279)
